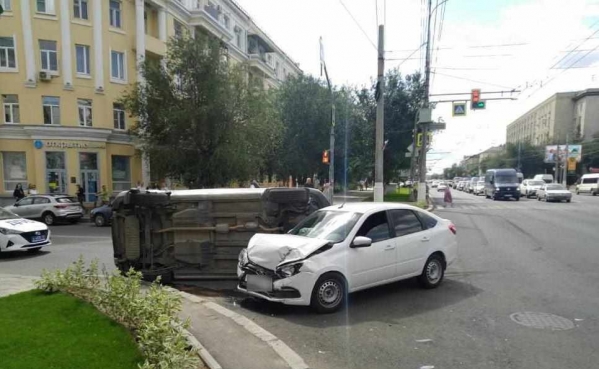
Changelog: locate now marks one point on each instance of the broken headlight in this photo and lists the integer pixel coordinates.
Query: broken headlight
(289, 270)
(243, 257)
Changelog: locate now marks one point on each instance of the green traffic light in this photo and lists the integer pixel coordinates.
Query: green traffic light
(479, 105)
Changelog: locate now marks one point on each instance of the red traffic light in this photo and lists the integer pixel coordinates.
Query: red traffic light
(475, 96)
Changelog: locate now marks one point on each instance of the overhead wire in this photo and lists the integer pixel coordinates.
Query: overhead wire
(358, 24)
(376, 12)
(473, 80)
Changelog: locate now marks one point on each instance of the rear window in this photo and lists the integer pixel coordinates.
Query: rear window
(429, 221)
(64, 200)
(590, 180)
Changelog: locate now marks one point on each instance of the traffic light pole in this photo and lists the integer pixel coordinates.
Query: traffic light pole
(427, 78)
(332, 136)
(380, 118)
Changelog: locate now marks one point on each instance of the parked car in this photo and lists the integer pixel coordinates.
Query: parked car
(441, 187)
(529, 187)
(101, 216)
(343, 249)
(435, 184)
(554, 192)
(462, 185)
(547, 178)
(502, 184)
(17, 233)
(479, 188)
(588, 183)
(48, 208)
(472, 184)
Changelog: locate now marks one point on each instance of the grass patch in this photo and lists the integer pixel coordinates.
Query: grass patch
(57, 331)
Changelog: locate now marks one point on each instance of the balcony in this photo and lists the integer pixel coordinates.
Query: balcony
(155, 46)
(259, 63)
(208, 16)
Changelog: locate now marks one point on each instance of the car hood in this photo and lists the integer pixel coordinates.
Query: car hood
(271, 250)
(22, 225)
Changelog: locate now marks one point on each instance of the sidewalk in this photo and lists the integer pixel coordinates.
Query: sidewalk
(11, 284)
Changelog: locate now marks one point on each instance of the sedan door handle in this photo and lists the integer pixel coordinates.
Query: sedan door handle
(425, 239)
(389, 247)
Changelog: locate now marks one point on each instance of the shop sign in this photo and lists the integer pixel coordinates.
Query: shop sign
(69, 145)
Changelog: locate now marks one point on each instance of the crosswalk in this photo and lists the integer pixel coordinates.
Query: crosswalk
(507, 206)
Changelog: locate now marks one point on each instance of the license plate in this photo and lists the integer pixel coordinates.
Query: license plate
(259, 283)
(35, 239)
(507, 195)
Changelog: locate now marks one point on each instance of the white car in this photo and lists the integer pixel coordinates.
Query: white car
(441, 187)
(18, 233)
(479, 188)
(554, 192)
(347, 248)
(529, 187)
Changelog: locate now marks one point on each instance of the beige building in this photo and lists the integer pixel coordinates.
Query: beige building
(65, 63)
(563, 115)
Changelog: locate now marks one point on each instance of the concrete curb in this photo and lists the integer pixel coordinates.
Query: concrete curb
(204, 354)
(285, 352)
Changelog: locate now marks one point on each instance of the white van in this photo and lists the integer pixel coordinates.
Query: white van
(547, 178)
(588, 183)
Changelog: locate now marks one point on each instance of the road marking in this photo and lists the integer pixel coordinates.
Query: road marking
(54, 235)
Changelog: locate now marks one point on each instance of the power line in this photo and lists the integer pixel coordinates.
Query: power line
(358, 24)
(409, 56)
(585, 40)
(473, 80)
(376, 12)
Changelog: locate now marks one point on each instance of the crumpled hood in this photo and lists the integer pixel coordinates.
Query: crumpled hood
(270, 250)
(22, 225)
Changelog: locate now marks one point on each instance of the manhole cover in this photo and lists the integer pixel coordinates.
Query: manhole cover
(542, 321)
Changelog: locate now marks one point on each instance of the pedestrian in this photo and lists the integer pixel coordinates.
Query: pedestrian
(18, 193)
(32, 189)
(80, 195)
(447, 197)
(309, 183)
(104, 197)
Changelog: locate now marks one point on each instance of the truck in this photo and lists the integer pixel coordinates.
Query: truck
(198, 234)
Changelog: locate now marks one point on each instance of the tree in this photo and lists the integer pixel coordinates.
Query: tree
(200, 119)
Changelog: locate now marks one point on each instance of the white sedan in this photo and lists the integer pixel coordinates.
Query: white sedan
(18, 233)
(347, 248)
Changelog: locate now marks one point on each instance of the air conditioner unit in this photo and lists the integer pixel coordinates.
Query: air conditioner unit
(45, 76)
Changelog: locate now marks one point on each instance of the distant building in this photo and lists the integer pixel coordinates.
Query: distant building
(491, 152)
(573, 114)
(470, 163)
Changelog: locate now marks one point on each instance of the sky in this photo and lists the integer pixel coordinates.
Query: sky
(539, 47)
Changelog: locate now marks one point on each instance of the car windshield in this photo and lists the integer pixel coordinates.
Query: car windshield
(536, 183)
(328, 225)
(6, 215)
(505, 178)
(555, 187)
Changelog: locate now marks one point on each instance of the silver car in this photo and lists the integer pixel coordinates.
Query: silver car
(554, 192)
(529, 187)
(48, 208)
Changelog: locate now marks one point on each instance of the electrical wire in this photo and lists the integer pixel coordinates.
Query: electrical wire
(376, 12)
(409, 56)
(473, 80)
(358, 24)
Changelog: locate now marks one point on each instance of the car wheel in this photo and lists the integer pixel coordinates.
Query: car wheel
(518, 198)
(569, 200)
(99, 220)
(595, 193)
(433, 272)
(48, 218)
(34, 250)
(329, 293)
(577, 192)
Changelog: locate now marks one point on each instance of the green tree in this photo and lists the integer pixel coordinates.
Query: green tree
(200, 119)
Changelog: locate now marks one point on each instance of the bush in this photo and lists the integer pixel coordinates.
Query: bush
(151, 315)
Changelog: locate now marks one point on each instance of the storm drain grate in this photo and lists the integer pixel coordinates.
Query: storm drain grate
(542, 321)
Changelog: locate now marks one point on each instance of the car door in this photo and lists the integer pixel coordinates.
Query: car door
(412, 241)
(377, 262)
(24, 207)
(39, 205)
(524, 187)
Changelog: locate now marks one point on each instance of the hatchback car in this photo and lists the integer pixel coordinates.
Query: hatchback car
(529, 187)
(48, 208)
(347, 248)
(102, 216)
(554, 192)
(17, 233)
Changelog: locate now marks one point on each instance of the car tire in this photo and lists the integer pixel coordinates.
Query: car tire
(329, 293)
(569, 200)
(577, 192)
(433, 272)
(34, 250)
(595, 193)
(48, 218)
(538, 198)
(99, 220)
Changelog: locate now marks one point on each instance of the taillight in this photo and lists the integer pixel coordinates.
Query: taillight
(453, 229)
(61, 206)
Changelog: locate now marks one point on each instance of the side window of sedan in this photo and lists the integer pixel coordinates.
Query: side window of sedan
(376, 227)
(41, 200)
(405, 222)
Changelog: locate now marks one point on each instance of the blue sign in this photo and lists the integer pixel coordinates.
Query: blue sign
(38, 144)
(459, 109)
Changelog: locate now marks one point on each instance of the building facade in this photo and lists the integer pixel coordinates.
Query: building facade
(64, 64)
(562, 116)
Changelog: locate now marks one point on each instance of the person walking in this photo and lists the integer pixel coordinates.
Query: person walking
(104, 196)
(447, 198)
(18, 193)
(80, 195)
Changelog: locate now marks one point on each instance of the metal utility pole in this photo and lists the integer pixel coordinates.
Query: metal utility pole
(427, 78)
(565, 179)
(556, 170)
(380, 118)
(332, 137)
(519, 150)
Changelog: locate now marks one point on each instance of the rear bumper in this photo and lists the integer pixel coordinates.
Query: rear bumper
(70, 216)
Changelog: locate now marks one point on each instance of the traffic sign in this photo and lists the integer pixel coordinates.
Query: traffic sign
(459, 109)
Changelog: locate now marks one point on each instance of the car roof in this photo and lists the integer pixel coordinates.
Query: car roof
(591, 175)
(365, 207)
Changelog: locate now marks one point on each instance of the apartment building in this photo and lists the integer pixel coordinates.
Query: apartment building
(563, 115)
(65, 63)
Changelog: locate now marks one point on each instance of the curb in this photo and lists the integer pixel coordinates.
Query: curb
(285, 352)
(204, 354)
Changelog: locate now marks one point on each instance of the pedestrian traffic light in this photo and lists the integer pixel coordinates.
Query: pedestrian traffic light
(475, 101)
(325, 157)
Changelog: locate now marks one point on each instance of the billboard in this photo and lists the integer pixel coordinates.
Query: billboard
(552, 153)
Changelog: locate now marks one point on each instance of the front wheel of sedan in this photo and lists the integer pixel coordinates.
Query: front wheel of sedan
(329, 293)
(433, 272)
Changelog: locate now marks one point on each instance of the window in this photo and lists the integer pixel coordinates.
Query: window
(45, 6)
(211, 9)
(226, 21)
(40, 200)
(8, 58)
(238, 37)
(117, 66)
(56, 174)
(178, 29)
(85, 112)
(11, 109)
(80, 9)
(121, 173)
(51, 108)
(590, 180)
(375, 227)
(49, 55)
(14, 166)
(83, 61)
(115, 13)
(26, 201)
(6, 4)
(405, 222)
(429, 221)
(118, 112)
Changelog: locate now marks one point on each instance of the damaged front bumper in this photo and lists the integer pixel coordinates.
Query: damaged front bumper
(293, 290)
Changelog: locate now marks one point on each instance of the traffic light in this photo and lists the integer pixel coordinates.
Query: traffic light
(428, 140)
(475, 101)
(325, 157)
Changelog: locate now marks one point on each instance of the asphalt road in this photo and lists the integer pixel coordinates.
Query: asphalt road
(515, 258)
(69, 241)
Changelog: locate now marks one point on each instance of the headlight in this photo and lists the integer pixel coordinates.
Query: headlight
(8, 231)
(243, 257)
(518, 189)
(289, 270)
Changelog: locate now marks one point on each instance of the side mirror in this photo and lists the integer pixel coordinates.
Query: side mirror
(361, 241)
(16, 204)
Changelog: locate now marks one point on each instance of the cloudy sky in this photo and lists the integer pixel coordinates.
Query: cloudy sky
(537, 46)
